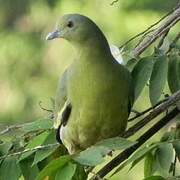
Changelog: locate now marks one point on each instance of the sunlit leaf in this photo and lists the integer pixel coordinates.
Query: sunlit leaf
(66, 172)
(53, 167)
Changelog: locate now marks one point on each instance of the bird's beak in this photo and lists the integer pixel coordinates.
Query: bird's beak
(53, 35)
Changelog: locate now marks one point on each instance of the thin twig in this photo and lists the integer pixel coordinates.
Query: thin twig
(154, 113)
(141, 140)
(48, 110)
(113, 2)
(171, 20)
(10, 128)
(147, 110)
(149, 28)
(31, 149)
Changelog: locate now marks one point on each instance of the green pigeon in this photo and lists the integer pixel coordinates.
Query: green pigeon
(95, 93)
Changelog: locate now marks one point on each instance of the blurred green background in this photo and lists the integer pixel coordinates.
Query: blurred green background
(30, 66)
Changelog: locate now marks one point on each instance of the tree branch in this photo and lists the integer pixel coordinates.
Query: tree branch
(171, 20)
(31, 149)
(154, 113)
(141, 140)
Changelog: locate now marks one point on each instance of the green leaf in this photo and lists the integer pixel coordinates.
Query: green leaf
(29, 172)
(136, 157)
(42, 154)
(158, 78)
(4, 148)
(37, 125)
(53, 167)
(80, 173)
(164, 157)
(36, 141)
(141, 74)
(66, 172)
(155, 178)
(116, 143)
(9, 169)
(149, 168)
(174, 73)
(92, 156)
(176, 146)
(131, 63)
(95, 154)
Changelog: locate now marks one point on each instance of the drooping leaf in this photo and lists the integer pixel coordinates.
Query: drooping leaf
(29, 172)
(10, 169)
(42, 154)
(36, 141)
(158, 78)
(66, 172)
(53, 167)
(149, 164)
(131, 63)
(80, 173)
(173, 73)
(155, 178)
(164, 157)
(141, 74)
(37, 125)
(176, 146)
(4, 148)
(136, 157)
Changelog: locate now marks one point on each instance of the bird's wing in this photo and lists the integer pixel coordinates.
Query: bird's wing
(60, 100)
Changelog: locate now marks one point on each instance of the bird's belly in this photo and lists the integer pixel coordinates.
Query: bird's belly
(91, 121)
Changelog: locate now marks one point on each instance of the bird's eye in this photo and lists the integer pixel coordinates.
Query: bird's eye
(70, 24)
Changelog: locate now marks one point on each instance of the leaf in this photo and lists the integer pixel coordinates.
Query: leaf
(174, 73)
(38, 125)
(95, 154)
(9, 169)
(154, 178)
(164, 157)
(141, 74)
(36, 141)
(92, 156)
(117, 143)
(176, 146)
(29, 172)
(158, 78)
(136, 157)
(131, 63)
(42, 154)
(4, 148)
(149, 165)
(53, 166)
(80, 173)
(66, 172)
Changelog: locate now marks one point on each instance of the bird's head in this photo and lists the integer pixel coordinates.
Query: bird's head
(75, 28)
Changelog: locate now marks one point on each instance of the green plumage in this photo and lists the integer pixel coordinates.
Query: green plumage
(98, 88)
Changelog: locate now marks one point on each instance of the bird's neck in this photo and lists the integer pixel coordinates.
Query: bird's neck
(95, 47)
